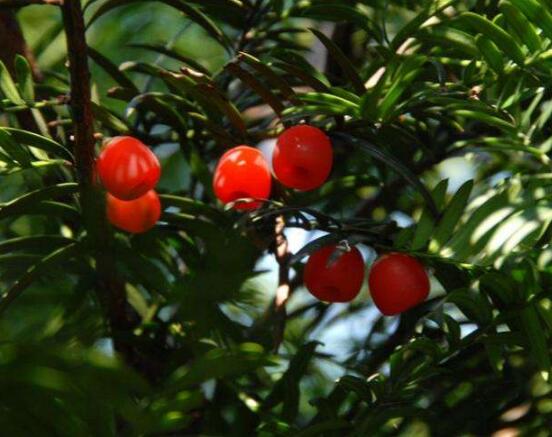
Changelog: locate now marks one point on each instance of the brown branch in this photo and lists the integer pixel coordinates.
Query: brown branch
(12, 43)
(81, 105)
(283, 292)
(110, 290)
(21, 3)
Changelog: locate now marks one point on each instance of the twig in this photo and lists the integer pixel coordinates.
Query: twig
(21, 3)
(12, 43)
(283, 292)
(81, 105)
(110, 290)
(282, 257)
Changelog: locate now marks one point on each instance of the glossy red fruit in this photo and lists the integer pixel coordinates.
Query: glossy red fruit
(242, 172)
(134, 216)
(334, 278)
(302, 158)
(397, 283)
(127, 168)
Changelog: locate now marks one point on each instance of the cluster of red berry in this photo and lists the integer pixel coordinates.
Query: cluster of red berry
(302, 160)
(397, 281)
(129, 171)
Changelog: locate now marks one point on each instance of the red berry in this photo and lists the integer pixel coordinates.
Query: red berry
(302, 158)
(242, 172)
(334, 280)
(127, 168)
(134, 216)
(397, 282)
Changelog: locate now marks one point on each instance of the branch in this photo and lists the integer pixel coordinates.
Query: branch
(12, 43)
(81, 105)
(21, 3)
(110, 290)
(281, 251)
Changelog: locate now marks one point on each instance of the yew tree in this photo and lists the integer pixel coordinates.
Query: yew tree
(275, 217)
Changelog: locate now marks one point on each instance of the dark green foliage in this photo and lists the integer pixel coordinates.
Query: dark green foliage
(407, 90)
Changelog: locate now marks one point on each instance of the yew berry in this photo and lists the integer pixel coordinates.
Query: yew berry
(242, 172)
(127, 168)
(134, 216)
(334, 276)
(397, 283)
(302, 158)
